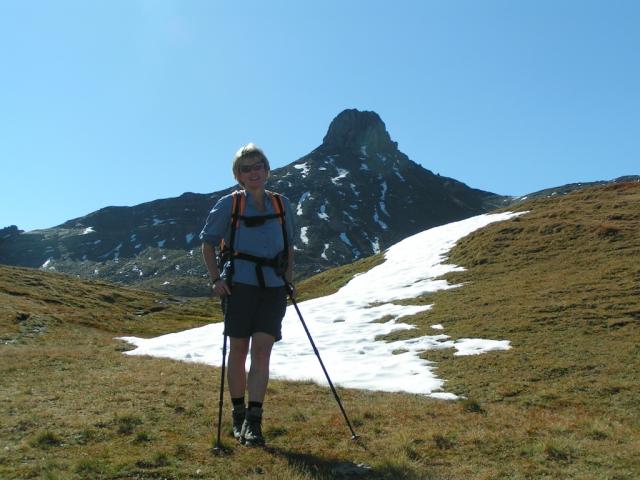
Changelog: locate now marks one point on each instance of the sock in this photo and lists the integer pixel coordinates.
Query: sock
(238, 403)
(255, 404)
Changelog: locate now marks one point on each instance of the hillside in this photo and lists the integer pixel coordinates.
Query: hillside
(33, 302)
(560, 282)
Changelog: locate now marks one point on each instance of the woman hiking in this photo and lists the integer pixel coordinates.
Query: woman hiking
(254, 228)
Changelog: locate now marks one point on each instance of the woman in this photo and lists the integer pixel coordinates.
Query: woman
(257, 268)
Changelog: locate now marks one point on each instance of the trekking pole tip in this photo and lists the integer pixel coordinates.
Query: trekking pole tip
(219, 450)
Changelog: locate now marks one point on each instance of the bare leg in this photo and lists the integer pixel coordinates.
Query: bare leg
(236, 374)
(261, 344)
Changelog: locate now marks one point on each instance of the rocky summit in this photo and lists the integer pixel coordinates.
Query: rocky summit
(357, 193)
(353, 196)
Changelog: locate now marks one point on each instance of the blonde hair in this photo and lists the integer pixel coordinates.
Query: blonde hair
(250, 153)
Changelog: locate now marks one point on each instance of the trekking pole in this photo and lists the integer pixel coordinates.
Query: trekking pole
(223, 305)
(218, 447)
(354, 436)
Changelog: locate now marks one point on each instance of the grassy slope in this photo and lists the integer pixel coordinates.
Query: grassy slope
(31, 301)
(560, 282)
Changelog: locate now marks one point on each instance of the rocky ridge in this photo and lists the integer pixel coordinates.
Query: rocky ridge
(354, 195)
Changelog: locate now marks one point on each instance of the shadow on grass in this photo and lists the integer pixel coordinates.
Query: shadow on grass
(329, 468)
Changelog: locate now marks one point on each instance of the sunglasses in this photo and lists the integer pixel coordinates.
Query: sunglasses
(256, 167)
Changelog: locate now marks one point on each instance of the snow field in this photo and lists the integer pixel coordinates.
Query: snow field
(344, 325)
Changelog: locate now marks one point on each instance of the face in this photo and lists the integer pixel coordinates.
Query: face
(253, 174)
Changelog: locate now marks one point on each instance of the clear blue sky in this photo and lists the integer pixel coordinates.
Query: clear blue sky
(120, 102)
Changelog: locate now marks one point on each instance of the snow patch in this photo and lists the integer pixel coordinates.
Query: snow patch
(345, 325)
(376, 218)
(323, 212)
(115, 251)
(476, 346)
(303, 197)
(116, 254)
(398, 174)
(303, 235)
(383, 194)
(375, 245)
(346, 214)
(342, 173)
(345, 239)
(304, 169)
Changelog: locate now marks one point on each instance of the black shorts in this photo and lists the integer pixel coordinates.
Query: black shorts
(251, 309)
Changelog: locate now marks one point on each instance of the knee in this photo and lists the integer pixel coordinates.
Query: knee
(238, 352)
(260, 355)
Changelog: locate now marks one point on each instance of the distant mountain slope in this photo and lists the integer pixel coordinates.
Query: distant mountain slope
(572, 187)
(354, 195)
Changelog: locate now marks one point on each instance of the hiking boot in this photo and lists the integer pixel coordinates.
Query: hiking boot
(252, 428)
(238, 414)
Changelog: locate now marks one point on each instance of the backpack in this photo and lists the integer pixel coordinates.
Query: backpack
(227, 253)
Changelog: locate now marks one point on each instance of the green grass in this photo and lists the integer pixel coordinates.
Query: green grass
(561, 283)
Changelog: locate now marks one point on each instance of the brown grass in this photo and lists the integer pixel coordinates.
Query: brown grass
(563, 403)
(31, 300)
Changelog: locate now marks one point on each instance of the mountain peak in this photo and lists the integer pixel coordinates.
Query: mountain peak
(355, 129)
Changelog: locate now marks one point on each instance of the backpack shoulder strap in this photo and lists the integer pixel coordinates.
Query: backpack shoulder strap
(278, 206)
(237, 208)
(276, 201)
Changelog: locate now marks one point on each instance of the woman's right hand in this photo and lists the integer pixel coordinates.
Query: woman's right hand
(220, 288)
